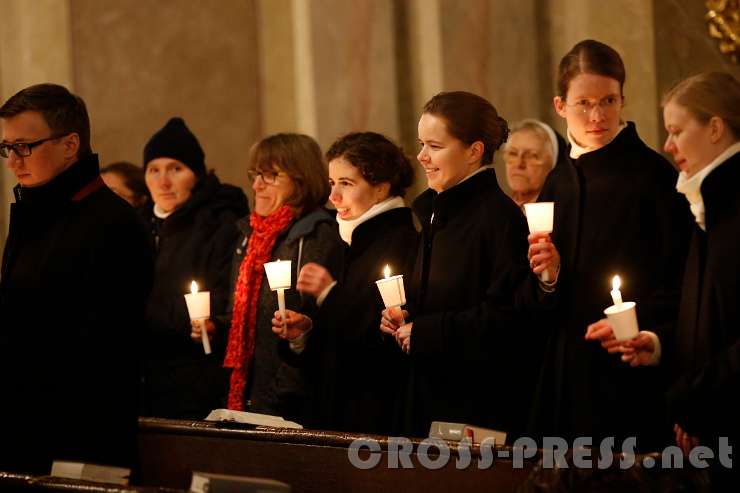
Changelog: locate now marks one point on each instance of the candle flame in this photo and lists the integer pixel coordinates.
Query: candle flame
(387, 271)
(616, 283)
(193, 287)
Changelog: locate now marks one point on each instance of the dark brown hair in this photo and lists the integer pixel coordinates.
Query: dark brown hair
(133, 177)
(64, 112)
(470, 118)
(709, 94)
(378, 159)
(300, 157)
(590, 57)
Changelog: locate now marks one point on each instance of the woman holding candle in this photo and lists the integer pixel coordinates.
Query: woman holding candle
(471, 290)
(702, 354)
(290, 184)
(531, 152)
(193, 226)
(356, 367)
(616, 213)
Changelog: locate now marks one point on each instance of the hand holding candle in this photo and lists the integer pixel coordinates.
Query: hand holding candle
(199, 309)
(278, 276)
(391, 289)
(540, 219)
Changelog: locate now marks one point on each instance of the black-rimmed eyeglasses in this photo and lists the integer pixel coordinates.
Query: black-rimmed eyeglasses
(269, 177)
(23, 149)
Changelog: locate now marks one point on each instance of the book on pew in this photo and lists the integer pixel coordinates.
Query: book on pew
(204, 482)
(90, 472)
(251, 419)
(458, 431)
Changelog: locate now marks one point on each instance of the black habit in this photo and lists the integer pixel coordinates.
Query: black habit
(357, 367)
(616, 212)
(471, 346)
(705, 352)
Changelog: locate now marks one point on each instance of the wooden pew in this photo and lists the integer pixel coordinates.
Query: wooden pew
(308, 460)
(22, 483)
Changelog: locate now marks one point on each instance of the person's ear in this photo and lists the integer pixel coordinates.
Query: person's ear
(71, 145)
(716, 129)
(382, 191)
(559, 104)
(476, 150)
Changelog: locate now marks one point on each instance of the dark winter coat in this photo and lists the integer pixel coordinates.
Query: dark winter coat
(616, 212)
(471, 341)
(194, 243)
(705, 351)
(276, 386)
(358, 368)
(76, 271)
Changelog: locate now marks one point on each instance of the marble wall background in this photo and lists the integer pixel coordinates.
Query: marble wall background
(237, 70)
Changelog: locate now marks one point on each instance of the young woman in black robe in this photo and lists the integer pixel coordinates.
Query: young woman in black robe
(616, 213)
(355, 368)
(702, 356)
(467, 330)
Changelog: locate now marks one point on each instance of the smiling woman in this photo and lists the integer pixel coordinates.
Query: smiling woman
(291, 185)
(471, 293)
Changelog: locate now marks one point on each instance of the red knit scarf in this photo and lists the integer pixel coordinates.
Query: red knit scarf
(240, 349)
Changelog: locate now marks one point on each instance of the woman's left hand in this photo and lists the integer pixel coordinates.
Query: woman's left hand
(543, 254)
(313, 279)
(296, 323)
(403, 337)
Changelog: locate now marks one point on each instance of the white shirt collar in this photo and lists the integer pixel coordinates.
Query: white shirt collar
(160, 213)
(577, 151)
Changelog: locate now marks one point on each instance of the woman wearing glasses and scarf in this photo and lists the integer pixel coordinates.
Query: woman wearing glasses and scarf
(291, 185)
(616, 213)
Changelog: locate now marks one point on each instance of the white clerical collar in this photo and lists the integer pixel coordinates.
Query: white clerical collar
(479, 170)
(576, 150)
(160, 213)
(347, 227)
(691, 187)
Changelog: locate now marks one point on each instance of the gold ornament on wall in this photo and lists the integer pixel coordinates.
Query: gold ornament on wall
(723, 19)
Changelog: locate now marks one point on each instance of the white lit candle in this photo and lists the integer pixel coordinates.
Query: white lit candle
(616, 294)
(391, 289)
(278, 276)
(540, 218)
(199, 309)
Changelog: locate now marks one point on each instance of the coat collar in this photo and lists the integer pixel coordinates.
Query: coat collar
(452, 200)
(719, 190)
(64, 187)
(298, 228)
(378, 227)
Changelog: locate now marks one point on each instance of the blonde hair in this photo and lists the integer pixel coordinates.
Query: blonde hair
(707, 95)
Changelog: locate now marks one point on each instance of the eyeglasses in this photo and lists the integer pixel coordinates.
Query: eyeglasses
(530, 158)
(268, 177)
(586, 106)
(23, 149)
